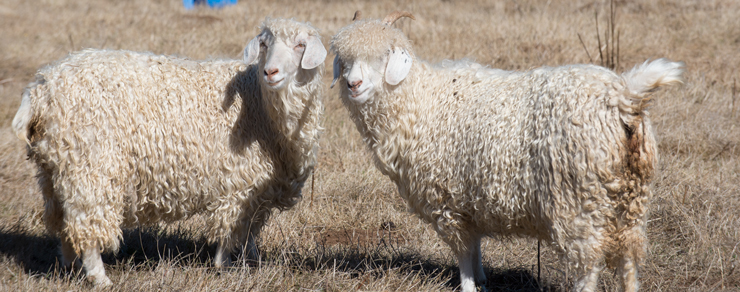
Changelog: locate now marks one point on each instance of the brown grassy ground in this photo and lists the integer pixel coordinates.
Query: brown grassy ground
(352, 231)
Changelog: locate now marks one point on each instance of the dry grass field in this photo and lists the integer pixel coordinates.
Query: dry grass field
(352, 231)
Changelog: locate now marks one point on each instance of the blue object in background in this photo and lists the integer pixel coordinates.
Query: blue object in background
(189, 4)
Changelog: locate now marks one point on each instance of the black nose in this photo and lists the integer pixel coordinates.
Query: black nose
(271, 72)
(355, 84)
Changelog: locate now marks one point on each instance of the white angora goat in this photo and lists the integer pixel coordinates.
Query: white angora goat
(562, 154)
(124, 138)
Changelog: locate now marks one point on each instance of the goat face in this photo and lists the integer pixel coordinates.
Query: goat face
(364, 77)
(281, 59)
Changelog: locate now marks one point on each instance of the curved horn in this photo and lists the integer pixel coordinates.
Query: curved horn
(395, 15)
(357, 16)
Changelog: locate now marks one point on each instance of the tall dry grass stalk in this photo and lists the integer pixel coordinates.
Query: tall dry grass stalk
(609, 51)
(352, 231)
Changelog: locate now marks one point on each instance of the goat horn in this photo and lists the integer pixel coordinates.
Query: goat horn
(357, 16)
(395, 15)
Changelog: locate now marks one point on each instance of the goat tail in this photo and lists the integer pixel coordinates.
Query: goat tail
(642, 80)
(22, 122)
(649, 76)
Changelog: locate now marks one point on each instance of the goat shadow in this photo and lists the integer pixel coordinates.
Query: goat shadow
(253, 123)
(144, 247)
(498, 279)
(244, 87)
(376, 259)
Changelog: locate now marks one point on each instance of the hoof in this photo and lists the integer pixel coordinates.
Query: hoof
(100, 281)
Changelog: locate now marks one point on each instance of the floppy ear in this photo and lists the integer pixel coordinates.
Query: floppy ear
(337, 70)
(252, 51)
(399, 64)
(314, 54)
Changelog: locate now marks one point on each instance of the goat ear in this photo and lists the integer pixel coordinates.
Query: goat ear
(314, 54)
(252, 51)
(399, 65)
(337, 70)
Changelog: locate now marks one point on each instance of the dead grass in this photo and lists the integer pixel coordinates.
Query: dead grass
(355, 233)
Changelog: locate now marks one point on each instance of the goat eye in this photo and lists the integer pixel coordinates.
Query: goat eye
(263, 46)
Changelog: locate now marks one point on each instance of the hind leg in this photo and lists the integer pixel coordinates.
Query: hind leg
(588, 281)
(90, 261)
(54, 219)
(627, 271)
(54, 215)
(587, 258)
(632, 243)
(87, 242)
(92, 220)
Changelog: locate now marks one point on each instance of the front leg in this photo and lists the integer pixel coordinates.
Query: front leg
(69, 257)
(251, 251)
(223, 252)
(467, 277)
(223, 256)
(250, 232)
(480, 275)
(245, 233)
(92, 264)
(471, 268)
